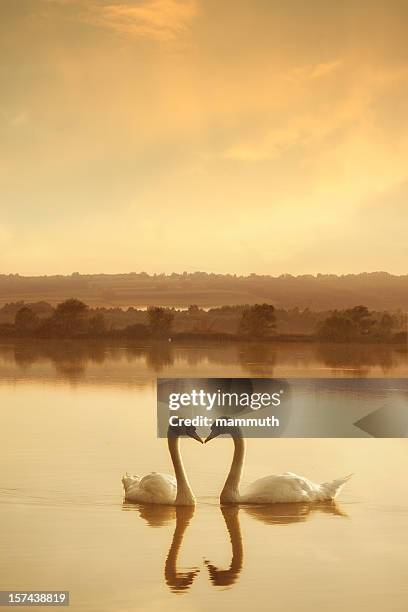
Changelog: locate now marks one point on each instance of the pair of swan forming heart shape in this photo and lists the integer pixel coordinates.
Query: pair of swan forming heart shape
(158, 488)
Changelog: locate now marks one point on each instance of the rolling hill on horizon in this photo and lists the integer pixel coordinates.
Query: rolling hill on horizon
(377, 290)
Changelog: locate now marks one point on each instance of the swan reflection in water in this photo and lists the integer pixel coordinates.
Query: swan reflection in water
(156, 515)
(227, 577)
(176, 580)
(180, 580)
(285, 514)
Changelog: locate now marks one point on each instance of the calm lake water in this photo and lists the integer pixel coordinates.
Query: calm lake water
(75, 416)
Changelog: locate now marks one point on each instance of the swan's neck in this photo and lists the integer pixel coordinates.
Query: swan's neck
(185, 496)
(230, 492)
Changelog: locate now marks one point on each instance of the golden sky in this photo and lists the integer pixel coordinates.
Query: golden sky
(219, 135)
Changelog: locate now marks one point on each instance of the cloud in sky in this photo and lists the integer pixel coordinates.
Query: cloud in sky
(269, 133)
(161, 20)
(314, 71)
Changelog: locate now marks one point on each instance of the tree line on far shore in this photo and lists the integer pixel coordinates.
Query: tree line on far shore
(72, 318)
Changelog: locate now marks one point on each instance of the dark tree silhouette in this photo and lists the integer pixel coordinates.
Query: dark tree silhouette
(338, 328)
(97, 324)
(69, 318)
(26, 320)
(355, 323)
(385, 326)
(258, 321)
(361, 316)
(160, 321)
(193, 309)
(72, 308)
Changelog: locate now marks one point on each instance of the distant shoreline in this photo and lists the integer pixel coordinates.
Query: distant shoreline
(75, 319)
(203, 339)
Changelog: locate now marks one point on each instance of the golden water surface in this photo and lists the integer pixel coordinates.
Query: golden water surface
(75, 416)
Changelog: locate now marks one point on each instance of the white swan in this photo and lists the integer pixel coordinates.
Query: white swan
(279, 488)
(158, 488)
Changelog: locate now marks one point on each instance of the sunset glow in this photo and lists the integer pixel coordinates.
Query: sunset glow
(236, 136)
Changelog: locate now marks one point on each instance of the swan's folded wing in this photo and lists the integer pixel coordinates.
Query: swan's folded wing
(279, 488)
(302, 483)
(157, 488)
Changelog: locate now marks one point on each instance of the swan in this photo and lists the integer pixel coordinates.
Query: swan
(155, 488)
(279, 488)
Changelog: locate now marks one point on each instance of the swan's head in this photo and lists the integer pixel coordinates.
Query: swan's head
(220, 427)
(175, 431)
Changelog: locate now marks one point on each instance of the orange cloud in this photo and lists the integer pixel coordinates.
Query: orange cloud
(161, 20)
(314, 71)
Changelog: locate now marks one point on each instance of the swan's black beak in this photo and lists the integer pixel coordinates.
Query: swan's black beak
(212, 434)
(195, 435)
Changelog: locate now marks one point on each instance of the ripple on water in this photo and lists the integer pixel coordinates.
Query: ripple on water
(53, 498)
